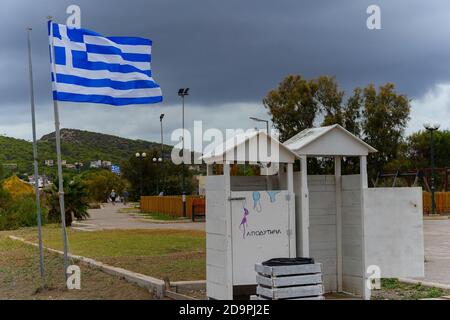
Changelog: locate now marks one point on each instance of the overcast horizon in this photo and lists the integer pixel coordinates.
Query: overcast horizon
(231, 54)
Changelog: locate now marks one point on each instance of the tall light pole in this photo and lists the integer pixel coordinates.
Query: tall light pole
(432, 128)
(161, 117)
(262, 120)
(157, 161)
(141, 157)
(182, 93)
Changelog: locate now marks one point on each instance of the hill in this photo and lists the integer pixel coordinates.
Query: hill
(76, 146)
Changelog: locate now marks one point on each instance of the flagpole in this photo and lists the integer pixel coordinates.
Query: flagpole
(58, 157)
(35, 159)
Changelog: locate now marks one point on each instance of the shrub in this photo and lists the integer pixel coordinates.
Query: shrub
(20, 212)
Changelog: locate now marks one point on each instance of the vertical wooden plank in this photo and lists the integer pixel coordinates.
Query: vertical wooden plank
(209, 170)
(226, 174)
(305, 207)
(291, 227)
(338, 182)
(364, 185)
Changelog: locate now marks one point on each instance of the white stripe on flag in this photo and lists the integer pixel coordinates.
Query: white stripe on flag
(110, 58)
(96, 57)
(102, 74)
(66, 43)
(107, 91)
(143, 49)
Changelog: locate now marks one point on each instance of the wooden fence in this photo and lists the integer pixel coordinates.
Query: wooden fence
(173, 205)
(170, 205)
(442, 200)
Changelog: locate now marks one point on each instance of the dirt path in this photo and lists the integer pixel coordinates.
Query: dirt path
(110, 217)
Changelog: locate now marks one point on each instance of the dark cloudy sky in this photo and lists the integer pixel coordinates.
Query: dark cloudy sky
(230, 53)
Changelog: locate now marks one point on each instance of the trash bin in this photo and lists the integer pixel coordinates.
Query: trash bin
(287, 262)
(289, 279)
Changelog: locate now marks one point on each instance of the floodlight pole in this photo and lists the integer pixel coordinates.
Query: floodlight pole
(262, 120)
(182, 93)
(35, 159)
(183, 169)
(431, 128)
(433, 184)
(161, 117)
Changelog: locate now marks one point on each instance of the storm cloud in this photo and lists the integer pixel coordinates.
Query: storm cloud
(230, 53)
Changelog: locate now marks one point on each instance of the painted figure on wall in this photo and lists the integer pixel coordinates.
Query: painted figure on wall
(257, 201)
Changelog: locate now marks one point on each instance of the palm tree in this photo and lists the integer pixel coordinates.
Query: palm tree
(75, 198)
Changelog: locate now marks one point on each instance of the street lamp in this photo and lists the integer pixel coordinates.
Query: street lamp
(157, 161)
(161, 117)
(432, 127)
(182, 93)
(261, 120)
(141, 156)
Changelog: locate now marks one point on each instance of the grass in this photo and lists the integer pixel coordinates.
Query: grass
(175, 254)
(393, 289)
(160, 216)
(20, 278)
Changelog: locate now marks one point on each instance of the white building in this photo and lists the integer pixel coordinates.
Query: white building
(106, 164)
(95, 164)
(336, 219)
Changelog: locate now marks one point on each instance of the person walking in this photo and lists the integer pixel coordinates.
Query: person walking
(113, 196)
(125, 196)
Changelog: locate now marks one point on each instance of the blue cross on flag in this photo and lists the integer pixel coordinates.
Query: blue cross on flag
(95, 69)
(115, 169)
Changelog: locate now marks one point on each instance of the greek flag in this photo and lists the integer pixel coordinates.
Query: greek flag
(115, 169)
(95, 69)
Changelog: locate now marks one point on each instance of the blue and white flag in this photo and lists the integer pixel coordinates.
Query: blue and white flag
(95, 69)
(115, 169)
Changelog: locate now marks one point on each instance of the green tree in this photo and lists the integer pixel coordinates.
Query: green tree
(75, 198)
(385, 116)
(418, 150)
(378, 117)
(352, 112)
(100, 182)
(165, 176)
(292, 106)
(330, 98)
(297, 103)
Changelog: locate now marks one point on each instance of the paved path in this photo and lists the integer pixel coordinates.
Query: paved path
(109, 218)
(437, 251)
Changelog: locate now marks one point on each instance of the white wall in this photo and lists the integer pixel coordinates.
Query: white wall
(216, 240)
(264, 237)
(393, 230)
(322, 223)
(352, 250)
(322, 226)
